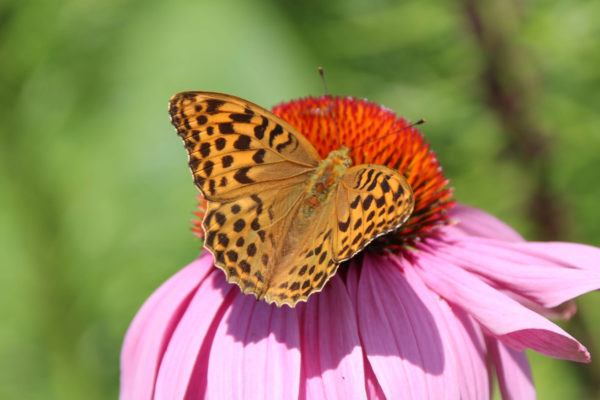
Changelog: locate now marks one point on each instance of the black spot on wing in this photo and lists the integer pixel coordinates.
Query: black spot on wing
(242, 142)
(208, 167)
(205, 149)
(359, 178)
(244, 266)
(367, 202)
(259, 130)
(194, 162)
(241, 175)
(226, 128)
(385, 186)
(276, 131)
(227, 161)
(357, 238)
(241, 117)
(283, 145)
(343, 226)
(220, 143)
(212, 106)
(232, 255)
(259, 156)
(374, 183)
(368, 180)
(259, 276)
(259, 203)
(318, 248)
(399, 193)
(239, 225)
(220, 218)
(357, 224)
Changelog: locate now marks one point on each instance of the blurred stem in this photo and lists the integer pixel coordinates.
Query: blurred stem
(508, 81)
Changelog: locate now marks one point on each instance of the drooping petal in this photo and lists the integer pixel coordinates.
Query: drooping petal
(152, 327)
(255, 353)
(513, 324)
(513, 371)
(545, 284)
(500, 264)
(333, 359)
(574, 255)
(183, 369)
(475, 222)
(399, 334)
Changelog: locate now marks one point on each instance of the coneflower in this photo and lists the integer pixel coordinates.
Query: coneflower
(432, 310)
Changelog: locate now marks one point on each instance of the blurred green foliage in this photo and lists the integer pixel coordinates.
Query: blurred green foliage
(96, 196)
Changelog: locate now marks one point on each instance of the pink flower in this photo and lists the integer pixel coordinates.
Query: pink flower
(431, 320)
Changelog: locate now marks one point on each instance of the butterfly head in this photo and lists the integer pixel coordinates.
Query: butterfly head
(339, 159)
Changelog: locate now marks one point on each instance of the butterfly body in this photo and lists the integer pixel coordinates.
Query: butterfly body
(324, 180)
(280, 219)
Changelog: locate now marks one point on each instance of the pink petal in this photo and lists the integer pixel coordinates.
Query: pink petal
(463, 342)
(183, 369)
(475, 222)
(505, 318)
(466, 345)
(255, 353)
(501, 265)
(152, 328)
(572, 254)
(400, 335)
(513, 371)
(332, 355)
(372, 386)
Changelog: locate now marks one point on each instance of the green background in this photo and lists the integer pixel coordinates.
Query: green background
(96, 197)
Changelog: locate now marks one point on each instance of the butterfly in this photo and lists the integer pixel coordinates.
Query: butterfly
(280, 219)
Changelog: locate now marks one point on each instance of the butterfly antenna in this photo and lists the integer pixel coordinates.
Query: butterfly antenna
(419, 122)
(337, 130)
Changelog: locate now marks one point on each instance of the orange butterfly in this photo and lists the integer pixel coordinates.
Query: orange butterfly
(280, 219)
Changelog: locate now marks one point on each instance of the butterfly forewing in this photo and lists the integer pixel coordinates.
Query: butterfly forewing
(371, 201)
(236, 147)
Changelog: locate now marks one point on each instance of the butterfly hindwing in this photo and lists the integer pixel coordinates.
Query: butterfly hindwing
(236, 147)
(244, 235)
(371, 201)
(306, 263)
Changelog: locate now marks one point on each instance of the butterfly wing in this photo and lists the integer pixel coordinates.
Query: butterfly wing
(307, 257)
(245, 236)
(251, 167)
(236, 147)
(371, 200)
